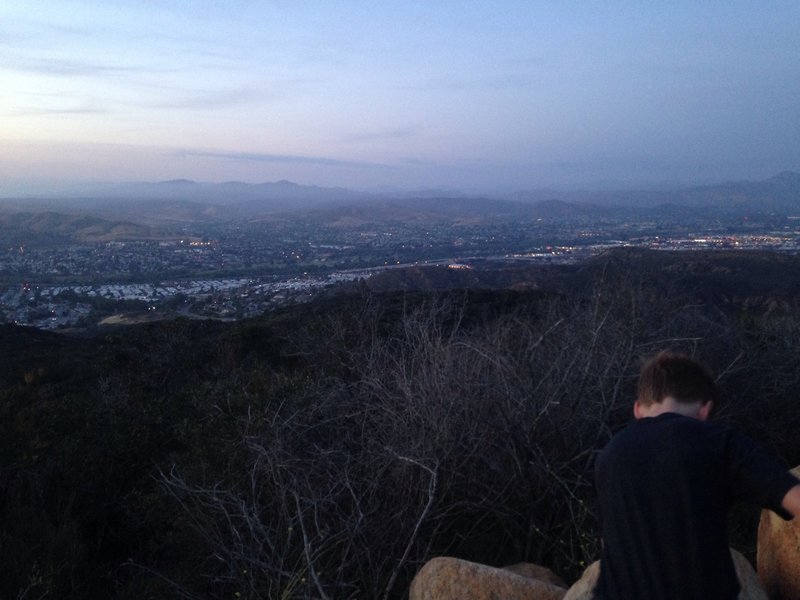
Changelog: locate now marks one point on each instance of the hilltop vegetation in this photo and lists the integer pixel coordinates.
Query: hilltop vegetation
(53, 228)
(330, 449)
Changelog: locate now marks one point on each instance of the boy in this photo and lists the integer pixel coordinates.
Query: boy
(666, 484)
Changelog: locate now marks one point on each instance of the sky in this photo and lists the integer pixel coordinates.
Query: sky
(469, 95)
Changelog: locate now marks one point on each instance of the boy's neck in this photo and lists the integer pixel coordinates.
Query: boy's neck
(695, 410)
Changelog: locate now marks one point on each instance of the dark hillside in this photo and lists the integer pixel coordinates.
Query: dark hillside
(485, 276)
(49, 228)
(30, 354)
(336, 446)
(720, 279)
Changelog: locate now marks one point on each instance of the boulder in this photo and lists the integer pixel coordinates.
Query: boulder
(751, 588)
(536, 572)
(583, 588)
(778, 554)
(446, 578)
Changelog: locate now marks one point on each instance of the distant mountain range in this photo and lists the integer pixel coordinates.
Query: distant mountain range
(780, 193)
(184, 200)
(280, 195)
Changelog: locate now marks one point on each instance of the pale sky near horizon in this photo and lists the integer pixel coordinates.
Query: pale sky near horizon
(468, 95)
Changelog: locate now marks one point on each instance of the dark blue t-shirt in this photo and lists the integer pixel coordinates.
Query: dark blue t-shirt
(665, 486)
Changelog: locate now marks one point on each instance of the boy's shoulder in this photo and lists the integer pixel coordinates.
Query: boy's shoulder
(671, 426)
(670, 438)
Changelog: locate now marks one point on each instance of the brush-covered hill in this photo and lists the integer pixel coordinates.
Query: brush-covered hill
(363, 433)
(724, 279)
(45, 228)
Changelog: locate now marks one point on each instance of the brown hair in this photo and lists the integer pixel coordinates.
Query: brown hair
(678, 376)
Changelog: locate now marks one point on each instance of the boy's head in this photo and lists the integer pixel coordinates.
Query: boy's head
(671, 382)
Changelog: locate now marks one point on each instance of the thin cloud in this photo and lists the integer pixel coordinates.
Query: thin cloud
(397, 133)
(229, 54)
(213, 100)
(43, 104)
(78, 110)
(183, 97)
(495, 82)
(279, 158)
(63, 68)
(420, 162)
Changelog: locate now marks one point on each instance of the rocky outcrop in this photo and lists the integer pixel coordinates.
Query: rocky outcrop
(778, 558)
(454, 579)
(583, 588)
(751, 588)
(536, 572)
(447, 578)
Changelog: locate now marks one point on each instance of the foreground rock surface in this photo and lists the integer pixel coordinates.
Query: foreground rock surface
(778, 557)
(446, 578)
(536, 572)
(751, 588)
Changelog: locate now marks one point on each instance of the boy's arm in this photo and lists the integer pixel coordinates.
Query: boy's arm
(791, 501)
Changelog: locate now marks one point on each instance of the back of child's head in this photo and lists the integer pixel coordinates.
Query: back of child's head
(669, 374)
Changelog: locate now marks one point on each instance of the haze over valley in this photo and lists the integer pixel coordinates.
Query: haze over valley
(181, 248)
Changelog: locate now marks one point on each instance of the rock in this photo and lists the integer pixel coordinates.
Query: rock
(536, 572)
(583, 588)
(778, 554)
(751, 588)
(446, 578)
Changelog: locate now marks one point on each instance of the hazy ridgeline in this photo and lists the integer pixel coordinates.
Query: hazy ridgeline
(329, 450)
